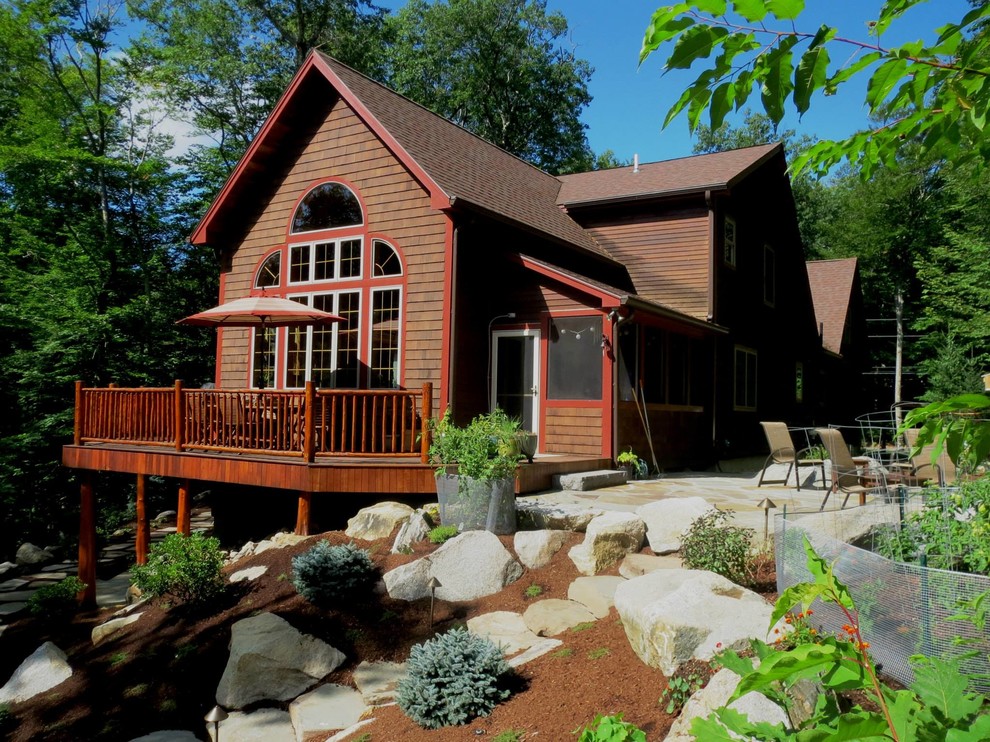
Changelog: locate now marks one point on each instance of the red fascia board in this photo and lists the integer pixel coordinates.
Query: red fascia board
(608, 299)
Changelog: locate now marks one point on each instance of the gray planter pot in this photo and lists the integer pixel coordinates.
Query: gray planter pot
(478, 505)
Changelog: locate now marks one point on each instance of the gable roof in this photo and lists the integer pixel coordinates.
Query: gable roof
(456, 167)
(831, 292)
(716, 171)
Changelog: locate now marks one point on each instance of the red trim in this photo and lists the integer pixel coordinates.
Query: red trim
(318, 234)
(544, 379)
(608, 365)
(448, 300)
(218, 372)
(608, 299)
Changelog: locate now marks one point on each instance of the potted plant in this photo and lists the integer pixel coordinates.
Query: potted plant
(633, 464)
(476, 467)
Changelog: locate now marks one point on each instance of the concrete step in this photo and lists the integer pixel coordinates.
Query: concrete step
(590, 480)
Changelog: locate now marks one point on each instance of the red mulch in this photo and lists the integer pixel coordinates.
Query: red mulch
(163, 671)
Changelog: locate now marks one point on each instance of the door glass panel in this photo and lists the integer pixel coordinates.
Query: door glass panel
(515, 385)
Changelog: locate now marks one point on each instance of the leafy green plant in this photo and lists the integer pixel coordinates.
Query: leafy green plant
(452, 679)
(599, 653)
(328, 573)
(186, 567)
(679, 689)
(611, 729)
(57, 599)
(634, 463)
(510, 735)
(710, 544)
(440, 534)
(957, 426)
(583, 626)
(533, 591)
(118, 658)
(935, 707)
(563, 653)
(484, 449)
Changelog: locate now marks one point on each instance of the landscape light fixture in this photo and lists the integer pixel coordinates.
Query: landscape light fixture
(765, 505)
(433, 584)
(214, 717)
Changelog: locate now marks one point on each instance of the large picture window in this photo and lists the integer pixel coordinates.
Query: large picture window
(574, 361)
(385, 313)
(326, 354)
(745, 378)
(665, 367)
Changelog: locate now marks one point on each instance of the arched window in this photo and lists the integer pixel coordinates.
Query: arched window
(386, 259)
(327, 206)
(270, 273)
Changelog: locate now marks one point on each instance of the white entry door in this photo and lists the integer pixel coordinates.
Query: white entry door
(516, 375)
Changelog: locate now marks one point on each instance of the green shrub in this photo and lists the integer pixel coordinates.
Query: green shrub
(712, 545)
(186, 567)
(327, 573)
(611, 729)
(452, 679)
(6, 718)
(56, 599)
(442, 533)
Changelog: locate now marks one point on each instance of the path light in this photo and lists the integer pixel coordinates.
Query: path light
(765, 505)
(433, 584)
(216, 715)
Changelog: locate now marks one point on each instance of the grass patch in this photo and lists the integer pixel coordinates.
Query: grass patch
(583, 626)
(510, 735)
(136, 691)
(597, 654)
(533, 591)
(563, 653)
(118, 658)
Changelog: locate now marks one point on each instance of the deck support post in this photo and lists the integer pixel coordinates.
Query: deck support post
(87, 539)
(182, 518)
(302, 514)
(426, 413)
(143, 535)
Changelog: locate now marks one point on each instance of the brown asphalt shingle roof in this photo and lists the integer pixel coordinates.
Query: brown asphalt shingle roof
(684, 175)
(467, 167)
(831, 292)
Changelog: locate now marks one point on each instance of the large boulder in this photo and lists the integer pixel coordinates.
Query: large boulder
(506, 630)
(328, 708)
(29, 555)
(555, 516)
(109, 628)
(471, 565)
(377, 521)
(377, 681)
(263, 725)
(554, 616)
(597, 593)
(414, 528)
(636, 565)
(756, 706)
(45, 668)
(168, 735)
(672, 616)
(535, 549)
(609, 537)
(667, 520)
(271, 660)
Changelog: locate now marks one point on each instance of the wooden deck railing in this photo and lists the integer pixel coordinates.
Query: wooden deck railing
(306, 423)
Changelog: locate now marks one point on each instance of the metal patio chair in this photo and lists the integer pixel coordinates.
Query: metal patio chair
(850, 475)
(782, 451)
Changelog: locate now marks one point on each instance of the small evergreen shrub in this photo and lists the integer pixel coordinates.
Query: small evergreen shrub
(327, 573)
(440, 534)
(186, 567)
(711, 545)
(57, 599)
(452, 679)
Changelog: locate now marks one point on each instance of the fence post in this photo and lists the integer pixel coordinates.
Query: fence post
(427, 413)
(179, 416)
(309, 423)
(77, 425)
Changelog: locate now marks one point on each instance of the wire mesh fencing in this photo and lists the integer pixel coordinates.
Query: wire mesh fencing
(904, 608)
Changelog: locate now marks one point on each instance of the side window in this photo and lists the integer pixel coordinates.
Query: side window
(729, 241)
(270, 272)
(745, 378)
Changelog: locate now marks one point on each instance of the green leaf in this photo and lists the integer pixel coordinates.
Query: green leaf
(751, 10)
(695, 43)
(978, 731)
(713, 7)
(777, 83)
(781, 665)
(941, 684)
(809, 76)
(804, 593)
(721, 103)
(847, 72)
(711, 730)
(786, 10)
(883, 80)
(678, 106)
(823, 35)
(658, 34)
(890, 11)
(697, 106)
(855, 725)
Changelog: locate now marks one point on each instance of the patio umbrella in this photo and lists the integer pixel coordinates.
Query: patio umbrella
(260, 312)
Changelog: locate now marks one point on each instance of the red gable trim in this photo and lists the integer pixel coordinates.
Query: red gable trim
(438, 199)
(608, 299)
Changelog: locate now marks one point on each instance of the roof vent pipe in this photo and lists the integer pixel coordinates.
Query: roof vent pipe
(636, 162)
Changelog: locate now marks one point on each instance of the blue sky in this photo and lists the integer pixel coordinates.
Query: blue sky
(630, 103)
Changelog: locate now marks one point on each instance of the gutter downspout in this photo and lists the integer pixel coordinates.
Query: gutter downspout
(617, 319)
(712, 307)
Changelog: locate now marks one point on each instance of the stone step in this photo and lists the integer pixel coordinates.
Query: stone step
(590, 480)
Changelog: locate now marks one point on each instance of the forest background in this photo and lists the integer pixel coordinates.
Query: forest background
(96, 202)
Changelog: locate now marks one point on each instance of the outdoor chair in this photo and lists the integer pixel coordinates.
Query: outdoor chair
(921, 467)
(850, 475)
(782, 451)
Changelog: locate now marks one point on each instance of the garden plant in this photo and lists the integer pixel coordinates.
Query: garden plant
(713, 545)
(326, 573)
(185, 567)
(57, 599)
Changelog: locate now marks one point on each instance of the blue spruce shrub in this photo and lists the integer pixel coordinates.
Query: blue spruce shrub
(327, 573)
(453, 678)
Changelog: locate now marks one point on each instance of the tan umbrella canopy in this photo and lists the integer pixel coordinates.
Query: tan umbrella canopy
(260, 312)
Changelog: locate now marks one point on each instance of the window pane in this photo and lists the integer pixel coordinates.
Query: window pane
(386, 260)
(350, 259)
(327, 206)
(751, 379)
(299, 263)
(324, 260)
(264, 358)
(654, 365)
(574, 363)
(270, 272)
(385, 339)
(347, 341)
(321, 363)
